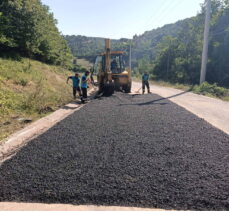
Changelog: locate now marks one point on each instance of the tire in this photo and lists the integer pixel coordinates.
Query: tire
(127, 88)
(108, 89)
(117, 87)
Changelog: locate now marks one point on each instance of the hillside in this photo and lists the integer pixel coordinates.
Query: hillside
(142, 45)
(28, 91)
(91, 46)
(145, 44)
(173, 52)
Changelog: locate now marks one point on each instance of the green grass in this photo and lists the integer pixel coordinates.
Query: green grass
(29, 89)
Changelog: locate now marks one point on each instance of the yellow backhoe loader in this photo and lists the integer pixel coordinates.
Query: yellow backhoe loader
(111, 71)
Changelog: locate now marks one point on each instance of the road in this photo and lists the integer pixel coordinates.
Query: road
(214, 111)
(125, 150)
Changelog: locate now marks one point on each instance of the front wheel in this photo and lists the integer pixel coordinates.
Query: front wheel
(108, 89)
(127, 88)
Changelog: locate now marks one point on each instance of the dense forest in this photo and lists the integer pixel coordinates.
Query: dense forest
(28, 29)
(173, 52)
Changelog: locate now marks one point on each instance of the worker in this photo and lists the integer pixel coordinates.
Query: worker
(114, 65)
(145, 82)
(75, 84)
(84, 86)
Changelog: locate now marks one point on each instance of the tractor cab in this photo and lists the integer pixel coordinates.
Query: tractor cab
(117, 64)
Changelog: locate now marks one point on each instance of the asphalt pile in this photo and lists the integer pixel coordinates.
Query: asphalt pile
(141, 151)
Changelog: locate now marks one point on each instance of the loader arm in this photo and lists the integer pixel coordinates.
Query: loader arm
(108, 60)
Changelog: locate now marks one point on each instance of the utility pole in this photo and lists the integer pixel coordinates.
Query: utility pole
(130, 56)
(206, 40)
(167, 72)
(168, 61)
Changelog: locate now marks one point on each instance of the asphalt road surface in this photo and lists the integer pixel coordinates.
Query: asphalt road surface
(125, 150)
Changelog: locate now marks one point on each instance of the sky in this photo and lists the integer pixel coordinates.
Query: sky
(118, 18)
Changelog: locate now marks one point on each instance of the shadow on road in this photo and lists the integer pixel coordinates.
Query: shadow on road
(155, 101)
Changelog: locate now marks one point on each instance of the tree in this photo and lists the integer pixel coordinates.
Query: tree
(30, 29)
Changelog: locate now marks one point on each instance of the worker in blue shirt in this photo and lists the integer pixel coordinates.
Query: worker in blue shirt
(75, 84)
(145, 82)
(84, 85)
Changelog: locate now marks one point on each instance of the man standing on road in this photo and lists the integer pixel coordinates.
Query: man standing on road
(145, 82)
(84, 85)
(75, 84)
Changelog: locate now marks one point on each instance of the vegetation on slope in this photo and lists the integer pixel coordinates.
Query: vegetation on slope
(29, 90)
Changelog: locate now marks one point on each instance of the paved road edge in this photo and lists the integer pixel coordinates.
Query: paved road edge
(8, 206)
(20, 138)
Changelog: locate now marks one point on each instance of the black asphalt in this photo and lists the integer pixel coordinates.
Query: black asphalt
(124, 150)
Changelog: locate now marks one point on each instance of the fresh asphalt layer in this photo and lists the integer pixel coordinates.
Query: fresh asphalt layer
(125, 150)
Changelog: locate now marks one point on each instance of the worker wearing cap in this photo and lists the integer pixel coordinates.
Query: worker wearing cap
(84, 85)
(145, 82)
(75, 84)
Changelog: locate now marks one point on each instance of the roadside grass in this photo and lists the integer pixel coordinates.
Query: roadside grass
(29, 90)
(210, 90)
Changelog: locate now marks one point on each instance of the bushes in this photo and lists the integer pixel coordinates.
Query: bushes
(211, 89)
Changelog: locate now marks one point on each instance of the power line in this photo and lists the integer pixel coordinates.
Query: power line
(161, 14)
(178, 3)
(160, 11)
(217, 33)
(151, 16)
(166, 11)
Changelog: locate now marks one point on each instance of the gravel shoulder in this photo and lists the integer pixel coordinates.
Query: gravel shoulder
(125, 150)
